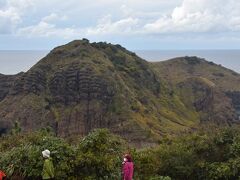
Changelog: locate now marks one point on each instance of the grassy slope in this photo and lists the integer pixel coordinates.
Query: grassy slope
(179, 69)
(194, 79)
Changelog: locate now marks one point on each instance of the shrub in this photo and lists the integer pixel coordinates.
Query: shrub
(99, 156)
(25, 160)
(160, 178)
(200, 155)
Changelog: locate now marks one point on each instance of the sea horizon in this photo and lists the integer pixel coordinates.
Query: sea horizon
(15, 61)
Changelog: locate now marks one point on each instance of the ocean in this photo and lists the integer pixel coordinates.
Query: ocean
(12, 62)
(227, 58)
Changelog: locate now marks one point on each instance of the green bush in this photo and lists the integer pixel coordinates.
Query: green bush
(200, 155)
(99, 156)
(24, 158)
(160, 178)
(146, 164)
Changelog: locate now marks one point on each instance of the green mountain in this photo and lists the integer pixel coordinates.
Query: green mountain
(178, 69)
(81, 86)
(212, 89)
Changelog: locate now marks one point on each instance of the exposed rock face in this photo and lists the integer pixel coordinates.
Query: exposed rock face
(81, 86)
(208, 100)
(235, 97)
(75, 85)
(6, 82)
(205, 102)
(30, 82)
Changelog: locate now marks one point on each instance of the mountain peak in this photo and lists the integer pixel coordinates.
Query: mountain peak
(81, 86)
(190, 60)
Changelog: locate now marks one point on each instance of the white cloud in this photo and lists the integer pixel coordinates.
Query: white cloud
(124, 22)
(11, 14)
(20, 4)
(45, 29)
(53, 17)
(9, 18)
(70, 18)
(191, 16)
(106, 26)
(199, 16)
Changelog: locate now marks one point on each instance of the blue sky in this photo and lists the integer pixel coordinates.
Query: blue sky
(135, 24)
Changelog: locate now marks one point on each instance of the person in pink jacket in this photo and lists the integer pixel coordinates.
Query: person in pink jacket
(128, 167)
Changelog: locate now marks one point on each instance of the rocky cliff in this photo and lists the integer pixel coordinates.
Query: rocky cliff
(212, 89)
(81, 86)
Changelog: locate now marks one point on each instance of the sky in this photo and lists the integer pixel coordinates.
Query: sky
(135, 24)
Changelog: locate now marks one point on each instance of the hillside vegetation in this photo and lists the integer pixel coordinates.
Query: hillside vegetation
(200, 155)
(82, 86)
(179, 69)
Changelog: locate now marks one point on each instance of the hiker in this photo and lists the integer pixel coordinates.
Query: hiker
(2, 175)
(48, 169)
(127, 167)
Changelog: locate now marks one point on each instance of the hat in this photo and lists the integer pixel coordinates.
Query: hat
(46, 153)
(128, 156)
